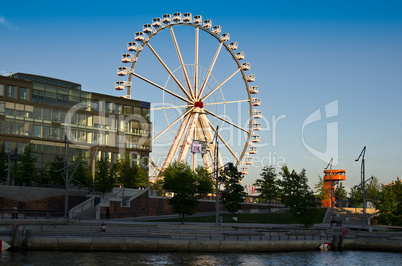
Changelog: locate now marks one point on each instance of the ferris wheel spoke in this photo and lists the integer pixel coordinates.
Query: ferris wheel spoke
(224, 142)
(210, 70)
(181, 62)
(217, 87)
(239, 101)
(197, 30)
(169, 71)
(171, 107)
(208, 133)
(162, 88)
(172, 124)
(224, 120)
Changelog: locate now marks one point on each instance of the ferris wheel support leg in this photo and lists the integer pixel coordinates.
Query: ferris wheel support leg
(187, 140)
(201, 135)
(210, 70)
(169, 71)
(181, 62)
(176, 141)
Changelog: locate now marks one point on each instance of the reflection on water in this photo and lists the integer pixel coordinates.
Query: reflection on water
(181, 258)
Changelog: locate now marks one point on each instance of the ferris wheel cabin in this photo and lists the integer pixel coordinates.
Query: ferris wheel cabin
(244, 170)
(216, 29)
(248, 160)
(122, 71)
(166, 18)
(207, 24)
(240, 56)
(225, 37)
(177, 17)
(257, 113)
(250, 78)
(156, 22)
(133, 46)
(147, 28)
(119, 85)
(256, 101)
(187, 17)
(253, 150)
(256, 126)
(198, 20)
(255, 138)
(139, 36)
(246, 66)
(128, 58)
(233, 46)
(253, 89)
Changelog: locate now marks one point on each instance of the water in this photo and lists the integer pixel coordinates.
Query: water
(181, 258)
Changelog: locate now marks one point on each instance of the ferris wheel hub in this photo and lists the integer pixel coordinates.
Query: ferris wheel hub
(199, 104)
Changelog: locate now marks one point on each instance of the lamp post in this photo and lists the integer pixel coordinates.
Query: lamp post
(362, 154)
(9, 155)
(216, 169)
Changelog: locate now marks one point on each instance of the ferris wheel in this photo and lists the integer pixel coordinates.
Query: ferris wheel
(207, 92)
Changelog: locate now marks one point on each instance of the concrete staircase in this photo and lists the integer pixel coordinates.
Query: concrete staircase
(89, 210)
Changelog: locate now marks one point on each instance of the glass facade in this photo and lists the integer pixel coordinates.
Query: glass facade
(43, 111)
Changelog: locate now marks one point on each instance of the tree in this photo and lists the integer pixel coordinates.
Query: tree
(319, 190)
(340, 193)
(179, 179)
(233, 193)
(373, 189)
(387, 204)
(25, 170)
(268, 185)
(355, 196)
(290, 187)
(203, 181)
(130, 175)
(297, 195)
(79, 172)
(54, 171)
(104, 177)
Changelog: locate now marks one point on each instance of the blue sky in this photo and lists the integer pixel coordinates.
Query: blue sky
(305, 55)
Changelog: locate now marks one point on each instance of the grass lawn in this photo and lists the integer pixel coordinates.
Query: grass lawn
(260, 218)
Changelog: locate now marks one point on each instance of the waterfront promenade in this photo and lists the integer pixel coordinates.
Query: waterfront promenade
(132, 235)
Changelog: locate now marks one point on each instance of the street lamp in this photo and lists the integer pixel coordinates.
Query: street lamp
(14, 157)
(216, 169)
(362, 154)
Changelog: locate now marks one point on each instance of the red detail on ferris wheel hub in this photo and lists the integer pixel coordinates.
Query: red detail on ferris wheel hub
(199, 104)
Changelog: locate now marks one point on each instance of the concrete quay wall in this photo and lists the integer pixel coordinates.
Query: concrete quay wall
(180, 245)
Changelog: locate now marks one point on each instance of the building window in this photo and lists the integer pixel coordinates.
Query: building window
(1, 90)
(11, 92)
(37, 129)
(25, 94)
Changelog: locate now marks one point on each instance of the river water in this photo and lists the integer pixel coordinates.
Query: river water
(182, 258)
